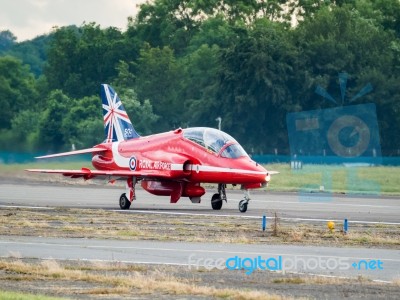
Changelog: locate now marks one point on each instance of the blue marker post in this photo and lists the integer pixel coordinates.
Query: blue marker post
(345, 226)
(264, 222)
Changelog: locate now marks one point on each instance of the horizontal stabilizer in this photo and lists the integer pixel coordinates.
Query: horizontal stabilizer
(272, 172)
(77, 152)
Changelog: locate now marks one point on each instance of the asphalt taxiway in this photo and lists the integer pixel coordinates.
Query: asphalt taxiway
(375, 264)
(291, 206)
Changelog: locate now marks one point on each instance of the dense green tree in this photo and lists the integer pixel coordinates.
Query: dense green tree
(32, 52)
(62, 63)
(255, 75)
(165, 22)
(51, 131)
(17, 89)
(187, 62)
(24, 129)
(158, 79)
(80, 59)
(7, 40)
(82, 119)
(201, 86)
(337, 40)
(140, 112)
(216, 31)
(68, 123)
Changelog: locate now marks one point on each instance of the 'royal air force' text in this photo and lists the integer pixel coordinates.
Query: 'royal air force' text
(154, 165)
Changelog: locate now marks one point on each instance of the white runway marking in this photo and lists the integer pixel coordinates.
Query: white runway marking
(29, 207)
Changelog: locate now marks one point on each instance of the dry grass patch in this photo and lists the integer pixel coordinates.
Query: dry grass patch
(290, 280)
(103, 266)
(170, 285)
(119, 280)
(106, 291)
(155, 281)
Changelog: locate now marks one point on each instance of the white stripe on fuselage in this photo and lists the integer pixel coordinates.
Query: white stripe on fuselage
(123, 162)
(212, 169)
(176, 167)
(120, 161)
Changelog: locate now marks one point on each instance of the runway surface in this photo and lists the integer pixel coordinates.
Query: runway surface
(375, 264)
(290, 206)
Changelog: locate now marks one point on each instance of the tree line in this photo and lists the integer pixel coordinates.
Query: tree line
(184, 63)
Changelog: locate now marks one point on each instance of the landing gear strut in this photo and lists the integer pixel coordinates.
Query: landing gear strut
(243, 203)
(126, 198)
(216, 200)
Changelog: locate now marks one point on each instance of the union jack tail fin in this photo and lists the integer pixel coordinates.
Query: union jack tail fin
(117, 125)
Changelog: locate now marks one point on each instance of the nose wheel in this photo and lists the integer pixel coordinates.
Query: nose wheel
(243, 203)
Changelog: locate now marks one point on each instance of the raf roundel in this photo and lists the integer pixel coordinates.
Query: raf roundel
(132, 163)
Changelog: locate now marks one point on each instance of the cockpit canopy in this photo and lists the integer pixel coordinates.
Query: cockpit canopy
(215, 141)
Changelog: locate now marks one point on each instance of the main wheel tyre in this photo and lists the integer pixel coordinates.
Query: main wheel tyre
(216, 202)
(124, 203)
(242, 206)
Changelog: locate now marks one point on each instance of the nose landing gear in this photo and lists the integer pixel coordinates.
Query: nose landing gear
(243, 203)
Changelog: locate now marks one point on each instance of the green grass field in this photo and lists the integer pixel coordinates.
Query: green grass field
(333, 178)
(22, 296)
(337, 179)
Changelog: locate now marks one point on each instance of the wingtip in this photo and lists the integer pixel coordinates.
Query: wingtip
(273, 172)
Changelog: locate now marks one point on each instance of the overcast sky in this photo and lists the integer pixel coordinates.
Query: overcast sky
(30, 18)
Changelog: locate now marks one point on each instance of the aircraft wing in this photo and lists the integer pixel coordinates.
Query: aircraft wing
(115, 174)
(83, 151)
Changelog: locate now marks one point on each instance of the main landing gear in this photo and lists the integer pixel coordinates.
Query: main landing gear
(124, 203)
(216, 200)
(125, 200)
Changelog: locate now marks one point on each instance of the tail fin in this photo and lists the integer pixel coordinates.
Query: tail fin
(117, 125)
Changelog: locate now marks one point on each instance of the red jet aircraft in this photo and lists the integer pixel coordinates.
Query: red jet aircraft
(171, 164)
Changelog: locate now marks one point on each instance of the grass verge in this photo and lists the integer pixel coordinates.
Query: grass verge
(5, 295)
(100, 280)
(126, 281)
(103, 224)
(337, 179)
